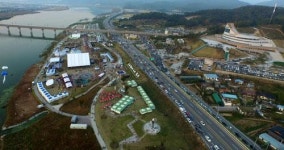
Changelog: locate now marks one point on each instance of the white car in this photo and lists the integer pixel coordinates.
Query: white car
(202, 123)
(216, 147)
(188, 120)
(207, 138)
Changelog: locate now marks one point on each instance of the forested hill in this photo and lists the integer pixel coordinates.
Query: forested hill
(243, 16)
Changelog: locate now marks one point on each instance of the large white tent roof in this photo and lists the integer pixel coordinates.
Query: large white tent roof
(78, 59)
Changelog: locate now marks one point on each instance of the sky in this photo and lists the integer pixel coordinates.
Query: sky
(254, 1)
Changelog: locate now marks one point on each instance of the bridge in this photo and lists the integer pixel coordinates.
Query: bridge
(55, 29)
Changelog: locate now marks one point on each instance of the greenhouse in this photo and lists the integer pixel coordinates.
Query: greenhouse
(122, 104)
(147, 100)
(131, 83)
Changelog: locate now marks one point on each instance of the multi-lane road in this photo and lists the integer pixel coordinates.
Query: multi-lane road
(216, 131)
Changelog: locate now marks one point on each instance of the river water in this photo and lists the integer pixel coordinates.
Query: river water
(20, 53)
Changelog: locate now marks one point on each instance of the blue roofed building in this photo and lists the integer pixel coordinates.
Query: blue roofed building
(229, 96)
(108, 56)
(277, 132)
(229, 99)
(271, 141)
(239, 81)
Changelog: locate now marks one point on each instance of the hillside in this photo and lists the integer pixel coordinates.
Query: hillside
(242, 17)
(185, 5)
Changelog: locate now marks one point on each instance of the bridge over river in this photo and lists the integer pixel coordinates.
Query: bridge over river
(56, 29)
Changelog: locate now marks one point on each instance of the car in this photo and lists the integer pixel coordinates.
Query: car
(201, 122)
(188, 120)
(207, 138)
(216, 147)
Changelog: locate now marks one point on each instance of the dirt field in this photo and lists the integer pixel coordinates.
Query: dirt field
(210, 52)
(23, 103)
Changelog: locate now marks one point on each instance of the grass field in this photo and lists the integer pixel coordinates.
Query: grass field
(138, 126)
(272, 33)
(277, 63)
(210, 52)
(279, 43)
(237, 54)
(249, 30)
(81, 105)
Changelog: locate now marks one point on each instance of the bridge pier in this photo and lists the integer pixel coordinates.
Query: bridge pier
(20, 32)
(42, 30)
(32, 35)
(9, 32)
(54, 33)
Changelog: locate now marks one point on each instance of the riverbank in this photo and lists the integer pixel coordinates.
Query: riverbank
(9, 14)
(23, 103)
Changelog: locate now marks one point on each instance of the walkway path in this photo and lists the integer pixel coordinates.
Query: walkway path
(22, 125)
(198, 49)
(134, 138)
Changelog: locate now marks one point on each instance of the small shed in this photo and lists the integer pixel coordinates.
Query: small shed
(239, 81)
(74, 119)
(211, 77)
(54, 60)
(78, 126)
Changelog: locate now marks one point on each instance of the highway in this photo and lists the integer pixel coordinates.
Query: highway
(221, 132)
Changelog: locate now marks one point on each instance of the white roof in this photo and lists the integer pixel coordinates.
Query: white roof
(66, 79)
(78, 59)
(64, 75)
(49, 82)
(54, 59)
(68, 84)
(75, 36)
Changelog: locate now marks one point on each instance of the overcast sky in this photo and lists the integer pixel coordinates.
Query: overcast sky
(248, 1)
(254, 1)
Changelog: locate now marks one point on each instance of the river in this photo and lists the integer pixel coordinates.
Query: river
(20, 53)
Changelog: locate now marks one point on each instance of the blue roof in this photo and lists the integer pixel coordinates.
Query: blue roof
(278, 130)
(273, 142)
(239, 80)
(230, 96)
(280, 106)
(211, 76)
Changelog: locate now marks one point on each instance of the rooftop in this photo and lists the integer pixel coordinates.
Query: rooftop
(273, 142)
(230, 96)
(278, 130)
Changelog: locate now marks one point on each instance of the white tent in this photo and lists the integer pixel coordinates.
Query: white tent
(54, 59)
(68, 84)
(78, 59)
(66, 79)
(49, 82)
(64, 75)
(75, 36)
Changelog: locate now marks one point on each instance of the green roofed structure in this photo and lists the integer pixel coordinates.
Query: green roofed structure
(217, 99)
(119, 106)
(131, 83)
(147, 100)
